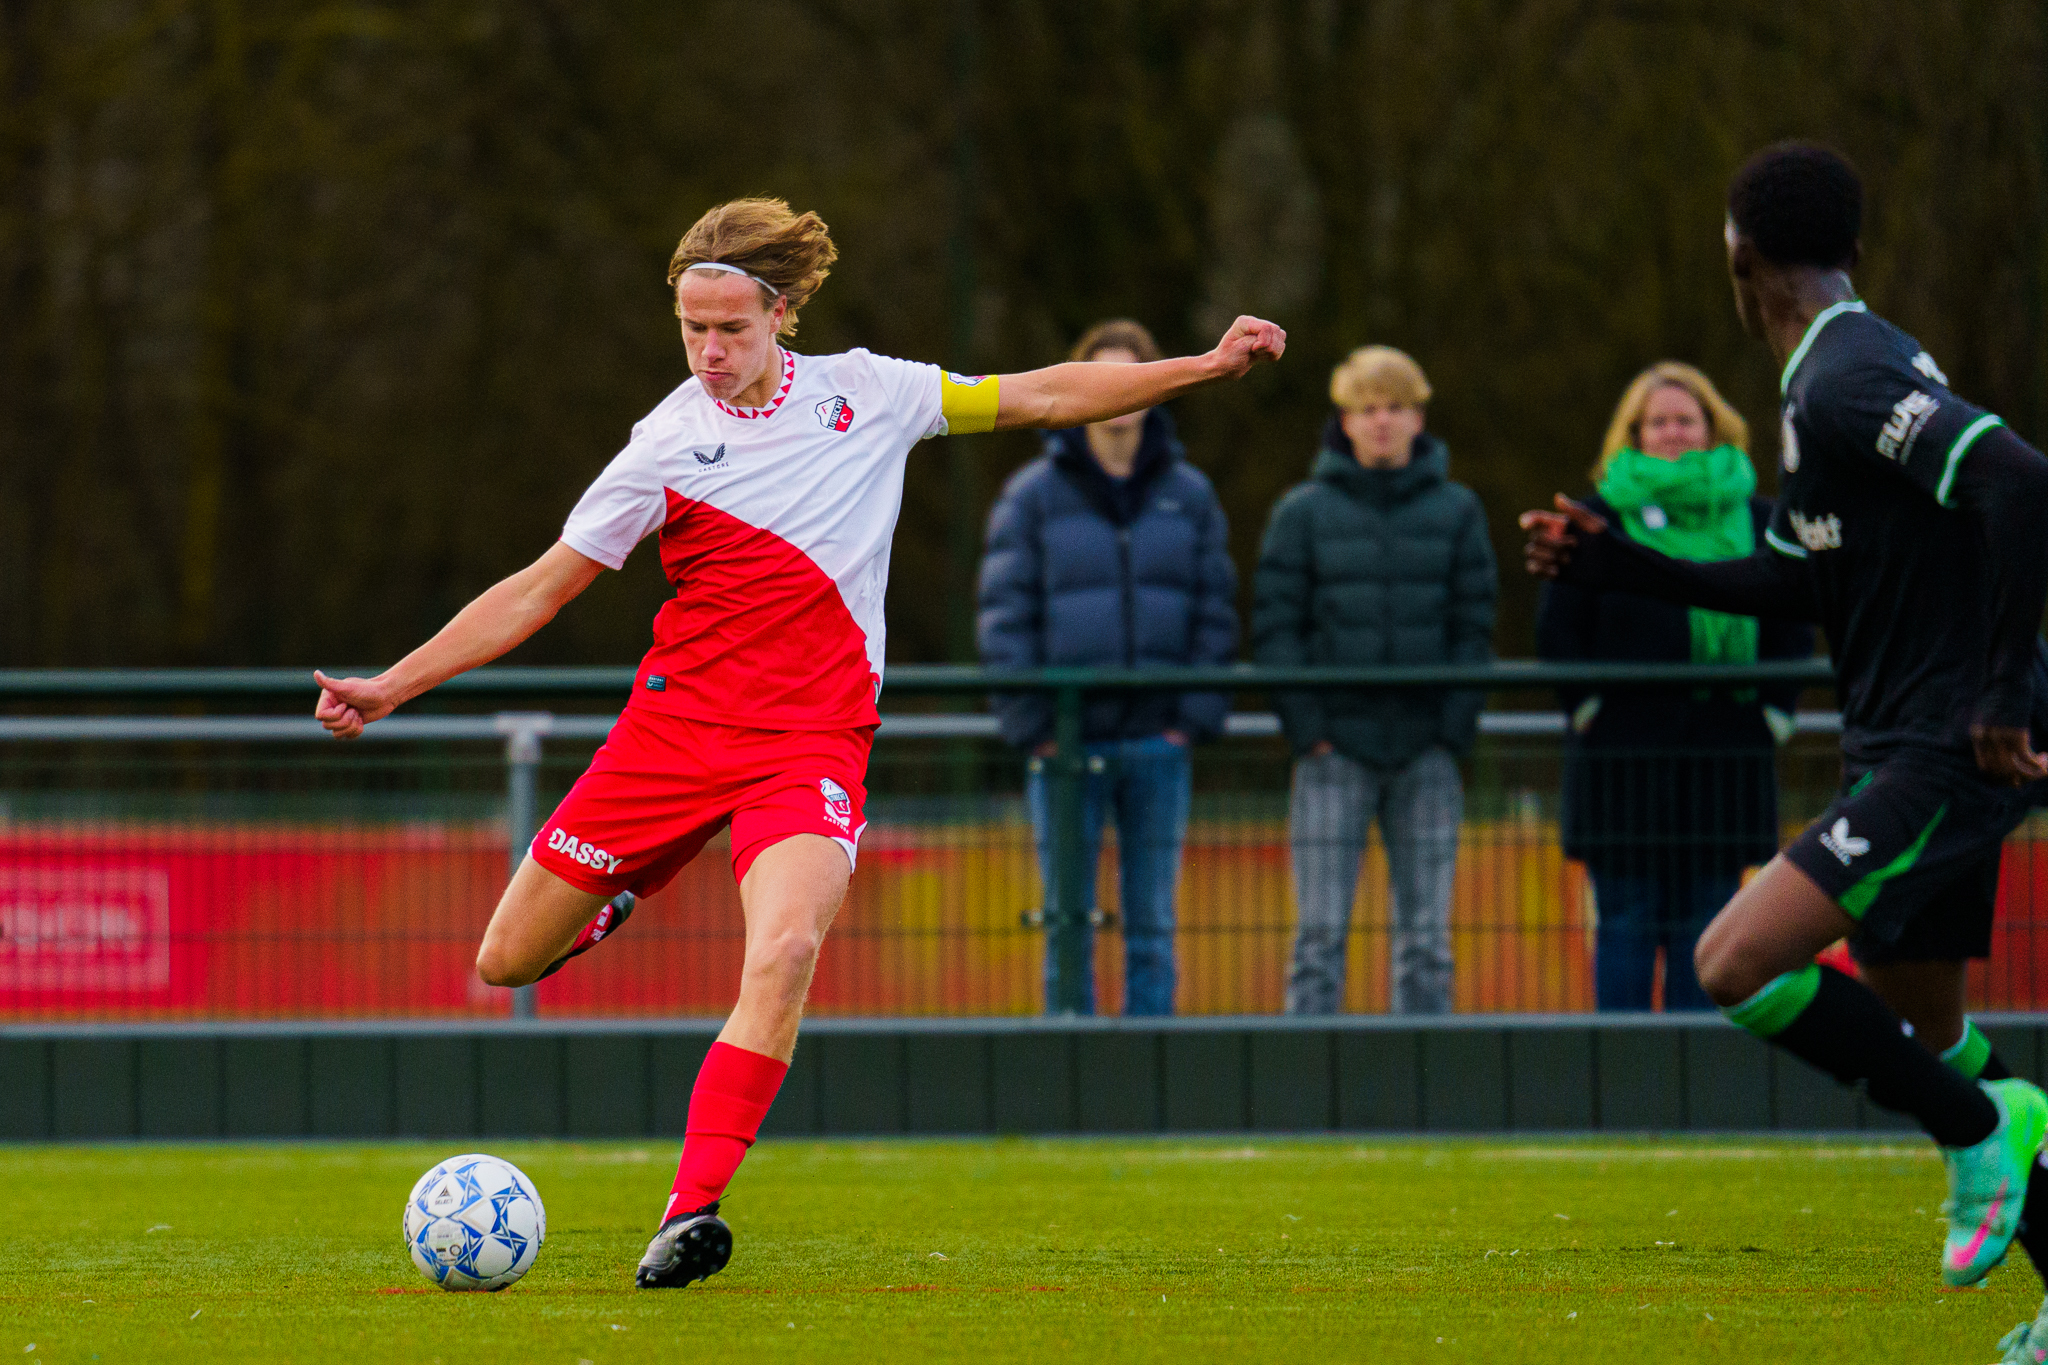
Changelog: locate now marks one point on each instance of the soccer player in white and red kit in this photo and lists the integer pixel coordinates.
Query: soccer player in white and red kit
(773, 481)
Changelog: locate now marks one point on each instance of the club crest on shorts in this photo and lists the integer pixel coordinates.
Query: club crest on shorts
(835, 413)
(838, 805)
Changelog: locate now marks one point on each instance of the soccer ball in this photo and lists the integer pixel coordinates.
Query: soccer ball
(474, 1222)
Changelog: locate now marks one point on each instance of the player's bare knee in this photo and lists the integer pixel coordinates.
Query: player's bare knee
(497, 968)
(1726, 972)
(789, 954)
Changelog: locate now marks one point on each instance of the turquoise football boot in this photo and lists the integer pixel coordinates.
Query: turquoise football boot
(2026, 1344)
(1988, 1183)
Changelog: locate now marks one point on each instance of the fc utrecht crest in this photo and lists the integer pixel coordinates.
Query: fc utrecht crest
(838, 805)
(835, 413)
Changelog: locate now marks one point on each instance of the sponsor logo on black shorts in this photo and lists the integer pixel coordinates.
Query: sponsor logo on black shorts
(1844, 845)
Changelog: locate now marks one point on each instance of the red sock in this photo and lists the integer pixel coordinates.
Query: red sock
(734, 1089)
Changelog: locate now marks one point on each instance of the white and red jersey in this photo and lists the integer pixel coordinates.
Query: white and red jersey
(775, 527)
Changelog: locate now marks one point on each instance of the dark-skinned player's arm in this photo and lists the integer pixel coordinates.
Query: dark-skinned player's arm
(2003, 485)
(1576, 545)
(1078, 393)
(504, 616)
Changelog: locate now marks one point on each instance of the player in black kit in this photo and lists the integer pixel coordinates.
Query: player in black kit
(1913, 527)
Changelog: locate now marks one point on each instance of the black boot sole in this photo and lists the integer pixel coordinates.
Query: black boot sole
(700, 1253)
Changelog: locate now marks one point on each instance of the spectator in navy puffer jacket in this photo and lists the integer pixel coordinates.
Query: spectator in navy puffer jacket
(1109, 551)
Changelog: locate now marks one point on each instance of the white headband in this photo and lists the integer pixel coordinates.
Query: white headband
(735, 270)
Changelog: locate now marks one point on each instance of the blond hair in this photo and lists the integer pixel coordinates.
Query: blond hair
(1725, 426)
(791, 253)
(1116, 334)
(1378, 374)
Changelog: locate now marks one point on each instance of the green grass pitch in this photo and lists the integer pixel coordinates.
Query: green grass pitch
(991, 1251)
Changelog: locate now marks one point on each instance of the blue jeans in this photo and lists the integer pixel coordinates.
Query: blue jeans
(1420, 808)
(1640, 913)
(1144, 784)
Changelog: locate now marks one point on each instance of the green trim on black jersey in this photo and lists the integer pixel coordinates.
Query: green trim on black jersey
(1963, 442)
(1821, 319)
(1783, 546)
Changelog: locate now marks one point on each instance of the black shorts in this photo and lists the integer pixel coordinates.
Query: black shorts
(1910, 848)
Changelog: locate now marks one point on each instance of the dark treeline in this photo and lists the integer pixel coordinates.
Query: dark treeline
(315, 318)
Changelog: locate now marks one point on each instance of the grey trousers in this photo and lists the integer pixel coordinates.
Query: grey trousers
(1419, 808)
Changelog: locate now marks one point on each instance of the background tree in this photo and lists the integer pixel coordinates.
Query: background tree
(315, 318)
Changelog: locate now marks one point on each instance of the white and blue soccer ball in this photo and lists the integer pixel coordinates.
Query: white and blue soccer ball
(474, 1222)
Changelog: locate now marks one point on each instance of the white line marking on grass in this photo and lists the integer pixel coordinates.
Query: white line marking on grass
(1217, 1154)
(1655, 1154)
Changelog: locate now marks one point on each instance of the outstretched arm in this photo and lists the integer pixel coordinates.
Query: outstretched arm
(1076, 394)
(504, 616)
(1575, 545)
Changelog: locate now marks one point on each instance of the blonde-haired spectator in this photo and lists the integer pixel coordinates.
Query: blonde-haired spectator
(1377, 559)
(1668, 795)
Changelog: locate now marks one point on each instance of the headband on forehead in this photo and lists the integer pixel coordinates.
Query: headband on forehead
(735, 270)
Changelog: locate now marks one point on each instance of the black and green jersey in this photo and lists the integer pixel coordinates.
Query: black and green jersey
(1872, 441)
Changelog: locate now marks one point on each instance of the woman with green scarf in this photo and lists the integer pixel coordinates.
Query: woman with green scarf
(1668, 796)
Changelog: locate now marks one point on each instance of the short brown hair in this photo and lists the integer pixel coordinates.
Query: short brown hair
(1378, 373)
(1118, 334)
(791, 252)
(1725, 426)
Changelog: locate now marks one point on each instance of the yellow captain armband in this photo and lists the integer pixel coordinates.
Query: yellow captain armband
(968, 402)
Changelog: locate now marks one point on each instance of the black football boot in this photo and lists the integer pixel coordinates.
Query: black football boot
(691, 1246)
(616, 912)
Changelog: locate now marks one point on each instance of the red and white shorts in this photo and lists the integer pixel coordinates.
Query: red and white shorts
(663, 785)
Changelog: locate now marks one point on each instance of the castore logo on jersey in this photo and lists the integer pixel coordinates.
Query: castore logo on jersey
(835, 413)
(715, 457)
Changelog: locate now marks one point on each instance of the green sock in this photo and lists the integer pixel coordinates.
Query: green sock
(1971, 1051)
(1783, 999)
(1838, 1024)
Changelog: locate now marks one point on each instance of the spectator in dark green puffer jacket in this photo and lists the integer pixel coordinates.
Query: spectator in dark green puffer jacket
(1378, 559)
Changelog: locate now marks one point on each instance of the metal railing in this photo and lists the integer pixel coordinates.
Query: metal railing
(942, 924)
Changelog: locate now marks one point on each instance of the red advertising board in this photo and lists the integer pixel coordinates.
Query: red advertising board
(254, 921)
(92, 927)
